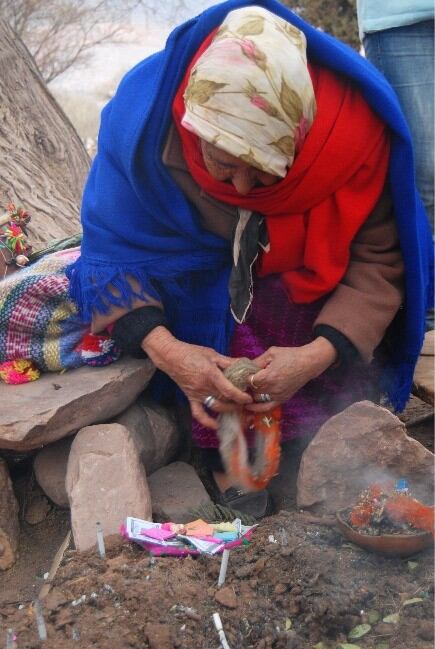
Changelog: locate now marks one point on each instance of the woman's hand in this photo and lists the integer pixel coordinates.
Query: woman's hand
(287, 369)
(197, 371)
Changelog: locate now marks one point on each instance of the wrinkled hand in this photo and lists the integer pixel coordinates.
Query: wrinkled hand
(197, 371)
(285, 370)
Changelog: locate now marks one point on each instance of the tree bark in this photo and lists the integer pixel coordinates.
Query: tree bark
(9, 525)
(43, 163)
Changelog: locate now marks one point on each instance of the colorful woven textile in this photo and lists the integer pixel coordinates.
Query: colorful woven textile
(38, 321)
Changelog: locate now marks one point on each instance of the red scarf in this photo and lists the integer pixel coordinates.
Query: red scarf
(313, 213)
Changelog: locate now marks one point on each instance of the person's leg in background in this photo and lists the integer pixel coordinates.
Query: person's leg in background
(405, 55)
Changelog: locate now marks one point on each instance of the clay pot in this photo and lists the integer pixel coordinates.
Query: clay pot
(392, 545)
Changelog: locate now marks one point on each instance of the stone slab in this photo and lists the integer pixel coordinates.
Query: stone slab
(57, 405)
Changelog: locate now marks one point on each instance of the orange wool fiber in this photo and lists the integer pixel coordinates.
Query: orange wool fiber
(361, 514)
(404, 509)
(267, 425)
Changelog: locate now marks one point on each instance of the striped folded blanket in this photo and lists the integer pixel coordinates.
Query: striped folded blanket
(39, 323)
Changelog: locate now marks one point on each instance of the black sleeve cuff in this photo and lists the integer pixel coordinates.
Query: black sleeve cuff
(129, 331)
(347, 352)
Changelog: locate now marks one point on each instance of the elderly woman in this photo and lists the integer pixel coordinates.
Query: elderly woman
(247, 202)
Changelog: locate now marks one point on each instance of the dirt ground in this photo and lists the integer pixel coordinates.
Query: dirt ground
(308, 587)
(294, 586)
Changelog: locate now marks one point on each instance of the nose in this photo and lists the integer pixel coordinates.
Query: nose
(243, 181)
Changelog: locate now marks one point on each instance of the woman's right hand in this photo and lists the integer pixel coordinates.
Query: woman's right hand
(197, 371)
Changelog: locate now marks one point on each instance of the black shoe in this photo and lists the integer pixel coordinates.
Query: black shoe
(257, 504)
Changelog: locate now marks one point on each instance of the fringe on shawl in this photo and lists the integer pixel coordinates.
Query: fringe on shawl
(97, 287)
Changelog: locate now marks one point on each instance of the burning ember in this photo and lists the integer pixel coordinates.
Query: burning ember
(390, 509)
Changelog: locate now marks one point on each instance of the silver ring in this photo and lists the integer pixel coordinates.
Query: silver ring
(209, 401)
(264, 397)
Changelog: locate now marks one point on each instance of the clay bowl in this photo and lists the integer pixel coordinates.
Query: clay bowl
(392, 545)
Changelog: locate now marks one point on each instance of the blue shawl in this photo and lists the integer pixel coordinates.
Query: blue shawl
(137, 223)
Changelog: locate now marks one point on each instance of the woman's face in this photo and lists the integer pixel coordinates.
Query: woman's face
(227, 168)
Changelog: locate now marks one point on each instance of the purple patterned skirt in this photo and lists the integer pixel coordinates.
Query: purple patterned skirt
(275, 321)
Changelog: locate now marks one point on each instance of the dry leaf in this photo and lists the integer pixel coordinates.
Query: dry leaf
(252, 28)
(291, 102)
(199, 92)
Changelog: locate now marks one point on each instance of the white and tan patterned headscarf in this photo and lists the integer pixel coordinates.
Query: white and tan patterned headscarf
(250, 93)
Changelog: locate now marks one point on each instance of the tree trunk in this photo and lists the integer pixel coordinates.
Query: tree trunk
(43, 163)
(9, 525)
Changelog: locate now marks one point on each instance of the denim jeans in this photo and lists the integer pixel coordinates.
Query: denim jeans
(405, 55)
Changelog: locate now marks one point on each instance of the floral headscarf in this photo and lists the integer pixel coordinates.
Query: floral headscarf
(250, 93)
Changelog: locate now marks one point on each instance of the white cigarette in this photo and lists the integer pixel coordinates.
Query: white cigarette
(10, 639)
(40, 622)
(218, 624)
(224, 566)
(100, 541)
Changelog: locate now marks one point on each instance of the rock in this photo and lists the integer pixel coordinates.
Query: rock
(9, 525)
(227, 597)
(425, 629)
(363, 444)
(428, 348)
(155, 431)
(158, 636)
(50, 470)
(54, 599)
(176, 490)
(57, 405)
(105, 482)
(384, 629)
(424, 371)
(37, 510)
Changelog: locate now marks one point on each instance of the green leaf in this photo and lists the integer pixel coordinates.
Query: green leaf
(359, 631)
(346, 645)
(382, 645)
(412, 565)
(392, 619)
(320, 645)
(252, 28)
(413, 600)
(373, 617)
(288, 624)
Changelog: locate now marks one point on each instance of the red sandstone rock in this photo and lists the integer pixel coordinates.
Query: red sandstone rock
(50, 470)
(176, 490)
(357, 447)
(56, 405)
(9, 525)
(155, 431)
(105, 482)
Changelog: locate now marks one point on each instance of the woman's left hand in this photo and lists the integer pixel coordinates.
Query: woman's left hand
(285, 370)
